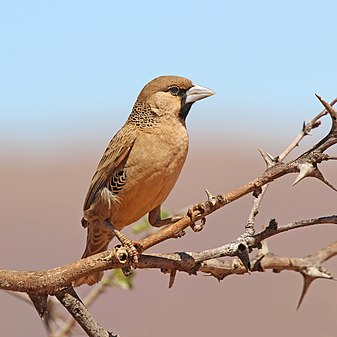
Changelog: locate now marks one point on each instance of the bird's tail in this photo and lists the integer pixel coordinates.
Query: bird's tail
(98, 239)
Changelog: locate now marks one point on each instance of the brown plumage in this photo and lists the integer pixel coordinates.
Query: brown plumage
(141, 164)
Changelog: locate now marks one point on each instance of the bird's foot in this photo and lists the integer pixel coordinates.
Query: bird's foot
(132, 247)
(196, 210)
(194, 213)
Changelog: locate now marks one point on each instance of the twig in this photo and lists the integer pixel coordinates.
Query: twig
(306, 129)
(89, 299)
(223, 268)
(69, 299)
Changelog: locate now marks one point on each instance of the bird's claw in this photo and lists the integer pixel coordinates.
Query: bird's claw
(133, 248)
(200, 208)
(197, 227)
(197, 207)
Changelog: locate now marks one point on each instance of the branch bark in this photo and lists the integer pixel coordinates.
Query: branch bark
(69, 299)
(190, 262)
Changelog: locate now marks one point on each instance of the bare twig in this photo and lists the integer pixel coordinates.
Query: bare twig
(69, 299)
(89, 299)
(306, 129)
(271, 161)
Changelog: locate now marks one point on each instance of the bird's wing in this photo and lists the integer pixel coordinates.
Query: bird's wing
(109, 172)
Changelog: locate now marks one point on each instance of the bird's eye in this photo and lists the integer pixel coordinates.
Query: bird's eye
(174, 91)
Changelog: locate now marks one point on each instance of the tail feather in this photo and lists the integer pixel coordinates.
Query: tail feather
(98, 239)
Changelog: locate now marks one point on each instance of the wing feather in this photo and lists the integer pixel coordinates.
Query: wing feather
(112, 162)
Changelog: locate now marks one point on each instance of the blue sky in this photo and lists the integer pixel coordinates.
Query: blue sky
(71, 70)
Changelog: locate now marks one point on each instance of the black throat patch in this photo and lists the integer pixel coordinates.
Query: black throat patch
(185, 109)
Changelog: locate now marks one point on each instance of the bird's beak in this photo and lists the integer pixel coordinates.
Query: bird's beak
(197, 92)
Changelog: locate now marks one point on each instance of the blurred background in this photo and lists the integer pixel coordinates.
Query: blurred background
(70, 73)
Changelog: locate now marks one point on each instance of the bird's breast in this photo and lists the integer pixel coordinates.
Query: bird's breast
(152, 169)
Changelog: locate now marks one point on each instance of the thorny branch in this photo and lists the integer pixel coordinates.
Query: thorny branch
(69, 299)
(57, 281)
(189, 262)
(306, 165)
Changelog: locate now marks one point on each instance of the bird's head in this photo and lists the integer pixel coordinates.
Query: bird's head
(172, 95)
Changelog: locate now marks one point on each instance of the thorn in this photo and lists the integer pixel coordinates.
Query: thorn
(242, 254)
(318, 174)
(40, 303)
(319, 97)
(256, 263)
(311, 274)
(306, 170)
(303, 127)
(268, 158)
(318, 272)
(173, 274)
(211, 198)
(306, 284)
(263, 250)
(332, 112)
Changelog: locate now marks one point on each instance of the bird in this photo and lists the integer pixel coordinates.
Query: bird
(141, 164)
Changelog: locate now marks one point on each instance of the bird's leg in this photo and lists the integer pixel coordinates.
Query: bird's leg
(127, 243)
(155, 219)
